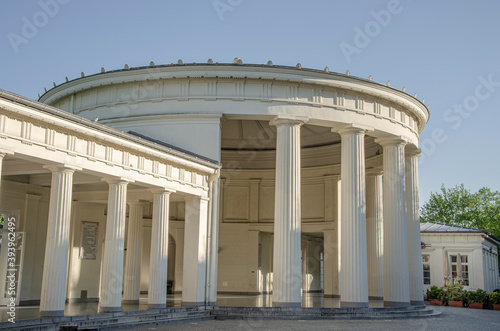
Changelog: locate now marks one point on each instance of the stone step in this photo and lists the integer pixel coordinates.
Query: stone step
(322, 313)
(111, 321)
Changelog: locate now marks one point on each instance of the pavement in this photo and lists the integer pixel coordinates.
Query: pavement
(450, 319)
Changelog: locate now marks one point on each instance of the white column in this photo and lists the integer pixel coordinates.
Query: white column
(287, 273)
(195, 259)
(132, 274)
(375, 234)
(354, 270)
(413, 227)
(110, 293)
(158, 261)
(396, 271)
(213, 242)
(55, 264)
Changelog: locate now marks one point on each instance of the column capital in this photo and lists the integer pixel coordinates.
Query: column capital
(117, 180)
(58, 167)
(281, 120)
(4, 152)
(162, 190)
(391, 141)
(331, 177)
(135, 202)
(343, 129)
(374, 172)
(414, 152)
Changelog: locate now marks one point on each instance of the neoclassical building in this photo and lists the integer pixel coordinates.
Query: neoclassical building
(214, 178)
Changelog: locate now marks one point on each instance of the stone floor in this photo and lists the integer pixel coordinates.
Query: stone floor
(263, 300)
(450, 319)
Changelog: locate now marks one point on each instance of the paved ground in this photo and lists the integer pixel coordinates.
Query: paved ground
(451, 319)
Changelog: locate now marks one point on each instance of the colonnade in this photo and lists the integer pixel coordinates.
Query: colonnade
(380, 255)
(55, 270)
(379, 239)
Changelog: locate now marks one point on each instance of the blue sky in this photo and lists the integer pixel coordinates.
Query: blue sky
(448, 52)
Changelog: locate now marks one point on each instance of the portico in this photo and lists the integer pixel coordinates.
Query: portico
(103, 169)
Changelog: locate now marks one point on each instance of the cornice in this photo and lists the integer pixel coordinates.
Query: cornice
(285, 74)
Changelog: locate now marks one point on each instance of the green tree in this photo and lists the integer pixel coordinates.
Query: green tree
(459, 206)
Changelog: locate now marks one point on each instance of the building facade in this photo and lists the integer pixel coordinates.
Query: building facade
(453, 253)
(282, 180)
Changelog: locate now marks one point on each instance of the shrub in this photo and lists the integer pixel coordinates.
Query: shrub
(435, 293)
(455, 292)
(495, 297)
(479, 296)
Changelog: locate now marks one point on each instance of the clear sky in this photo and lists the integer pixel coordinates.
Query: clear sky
(448, 52)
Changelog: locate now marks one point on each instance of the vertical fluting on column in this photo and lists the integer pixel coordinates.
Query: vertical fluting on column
(158, 262)
(354, 269)
(110, 293)
(55, 268)
(413, 227)
(213, 241)
(396, 271)
(287, 269)
(132, 274)
(375, 234)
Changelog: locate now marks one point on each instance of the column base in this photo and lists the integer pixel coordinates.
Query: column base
(157, 305)
(130, 302)
(192, 304)
(396, 304)
(287, 304)
(109, 309)
(331, 295)
(346, 304)
(213, 303)
(376, 298)
(51, 313)
(417, 303)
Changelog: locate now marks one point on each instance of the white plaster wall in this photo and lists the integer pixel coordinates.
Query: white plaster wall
(199, 135)
(234, 268)
(34, 224)
(175, 256)
(471, 244)
(83, 274)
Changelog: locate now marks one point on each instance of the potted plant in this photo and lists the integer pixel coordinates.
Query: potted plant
(477, 298)
(455, 294)
(435, 295)
(495, 300)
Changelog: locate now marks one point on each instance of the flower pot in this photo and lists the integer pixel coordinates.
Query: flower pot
(455, 303)
(436, 302)
(496, 306)
(476, 305)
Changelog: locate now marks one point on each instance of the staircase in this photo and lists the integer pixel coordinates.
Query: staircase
(322, 313)
(114, 321)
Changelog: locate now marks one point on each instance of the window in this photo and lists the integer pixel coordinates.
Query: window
(460, 269)
(427, 269)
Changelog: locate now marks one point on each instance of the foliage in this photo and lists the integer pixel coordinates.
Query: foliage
(435, 293)
(495, 297)
(459, 206)
(479, 296)
(455, 292)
